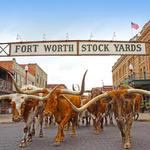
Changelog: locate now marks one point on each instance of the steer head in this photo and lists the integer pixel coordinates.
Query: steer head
(24, 97)
(19, 101)
(52, 101)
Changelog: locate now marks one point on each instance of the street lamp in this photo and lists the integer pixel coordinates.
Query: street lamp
(26, 74)
(102, 85)
(131, 72)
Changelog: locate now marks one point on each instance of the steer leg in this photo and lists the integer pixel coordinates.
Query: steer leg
(33, 127)
(102, 123)
(67, 126)
(60, 134)
(23, 142)
(40, 118)
(106, 120)
(74, 124)
(127, 142)
(29, 139)
(120, 125)
(96, 125)
(46, 122)
(111, 119)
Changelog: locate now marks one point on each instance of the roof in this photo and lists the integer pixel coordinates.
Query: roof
(8, 65)
(31, 68)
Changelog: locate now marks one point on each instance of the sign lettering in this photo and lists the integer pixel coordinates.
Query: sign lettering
(77, 48)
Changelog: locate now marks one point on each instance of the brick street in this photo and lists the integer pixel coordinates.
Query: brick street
(109, 139)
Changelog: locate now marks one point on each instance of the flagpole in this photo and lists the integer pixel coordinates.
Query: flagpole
(131, 32)
(134, 26)
(113, 37)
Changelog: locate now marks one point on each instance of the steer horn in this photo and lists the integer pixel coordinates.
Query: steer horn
(139, 91)
(38, 90)
(106, 95)
(28, 97)
(40, 98)
(3, 97)
(76, 109)
(66, 91)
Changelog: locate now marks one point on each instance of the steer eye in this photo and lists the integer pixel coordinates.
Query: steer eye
(22, 97)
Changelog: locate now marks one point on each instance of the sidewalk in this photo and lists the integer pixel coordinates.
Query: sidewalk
(5, 118)
(144, 116)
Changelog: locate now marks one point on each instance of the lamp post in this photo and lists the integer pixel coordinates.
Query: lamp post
(131, 72)
(102, 85)
(26, 74)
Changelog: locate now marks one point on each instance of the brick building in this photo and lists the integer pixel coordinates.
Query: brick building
(33, 75)
(134, 69)
(23, 74)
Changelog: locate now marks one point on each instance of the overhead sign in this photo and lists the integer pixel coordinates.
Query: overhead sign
(111, 48)
(79, 47)
(44, 48)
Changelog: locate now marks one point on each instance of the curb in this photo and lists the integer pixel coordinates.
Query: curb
(143, 120)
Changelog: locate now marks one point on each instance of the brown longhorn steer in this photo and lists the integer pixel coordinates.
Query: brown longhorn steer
(97, 110)
(58, 106)
(63, 113)
(126, 103)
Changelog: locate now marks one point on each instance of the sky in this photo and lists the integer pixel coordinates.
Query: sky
(35, 20)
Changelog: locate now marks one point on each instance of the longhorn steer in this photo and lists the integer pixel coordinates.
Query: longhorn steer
(58, 106)
(126, 103)
(85, 116)
(27, 107)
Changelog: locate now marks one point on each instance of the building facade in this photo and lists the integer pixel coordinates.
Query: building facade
(26, 73)
(134, 69)
(23, 74)
(39, 74)
(5, 81)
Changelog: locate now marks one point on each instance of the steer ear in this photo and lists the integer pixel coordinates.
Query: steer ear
(75, 87)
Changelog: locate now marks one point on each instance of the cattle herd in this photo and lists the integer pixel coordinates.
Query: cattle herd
(71, 108)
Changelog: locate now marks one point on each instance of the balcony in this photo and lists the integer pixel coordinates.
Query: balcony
(5, 86)
(140, 80)
(139, 76)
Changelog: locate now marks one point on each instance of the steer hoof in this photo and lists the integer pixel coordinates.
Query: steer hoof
(96, 132)
(23, 144)
(56, 144)
(33, 132)
(73, 135)
(127, 145)
(29, 140)
(40, 135)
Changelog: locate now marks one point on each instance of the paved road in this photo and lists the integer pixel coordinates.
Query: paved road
(109, 139)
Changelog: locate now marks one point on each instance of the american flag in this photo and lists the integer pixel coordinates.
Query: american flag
(134, 25)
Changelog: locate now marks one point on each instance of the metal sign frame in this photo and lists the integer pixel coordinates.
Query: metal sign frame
(6, 49)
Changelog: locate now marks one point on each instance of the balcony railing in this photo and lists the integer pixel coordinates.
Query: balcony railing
(5, 85)
(138, 76)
